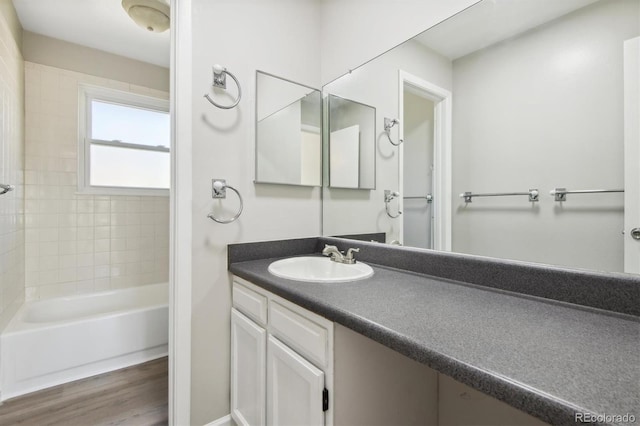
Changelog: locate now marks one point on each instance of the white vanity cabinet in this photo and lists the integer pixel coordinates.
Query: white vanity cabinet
(281, 360)
(287, 369)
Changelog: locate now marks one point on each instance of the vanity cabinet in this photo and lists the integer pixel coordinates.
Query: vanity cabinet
(281, 360)
(290, 366)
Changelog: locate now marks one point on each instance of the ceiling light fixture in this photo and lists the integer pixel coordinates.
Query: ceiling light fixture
(152, 15)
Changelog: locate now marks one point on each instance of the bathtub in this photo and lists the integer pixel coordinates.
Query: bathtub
(54, 341)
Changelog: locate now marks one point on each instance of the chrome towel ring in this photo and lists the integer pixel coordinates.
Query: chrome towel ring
(220, 80)
(6, 188)
(388, 196)
(388, 124)
(219, 190)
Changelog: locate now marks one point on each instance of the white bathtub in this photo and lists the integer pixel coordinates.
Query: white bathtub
(54, 341)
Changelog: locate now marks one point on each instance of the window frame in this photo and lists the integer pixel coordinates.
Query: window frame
(89, 93)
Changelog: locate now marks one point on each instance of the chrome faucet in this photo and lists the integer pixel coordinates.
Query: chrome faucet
(337, 256)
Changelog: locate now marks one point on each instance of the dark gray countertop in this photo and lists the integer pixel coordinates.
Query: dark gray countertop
(548, 358)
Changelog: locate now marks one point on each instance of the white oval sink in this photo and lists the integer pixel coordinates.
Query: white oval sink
(319, 270)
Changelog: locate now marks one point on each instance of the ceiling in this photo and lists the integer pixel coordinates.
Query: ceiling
(492, 21)
(100, 24)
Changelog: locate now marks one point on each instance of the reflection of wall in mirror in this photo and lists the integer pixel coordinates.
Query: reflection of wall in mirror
(279, 146)
(344, 157)
(345, 113)
(310, 156)
(288, 144)
(376, 84)
(544, 110)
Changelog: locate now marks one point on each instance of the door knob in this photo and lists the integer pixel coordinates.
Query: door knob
(635, 233)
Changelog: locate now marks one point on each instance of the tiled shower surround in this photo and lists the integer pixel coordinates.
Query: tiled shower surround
(75, 242)
(11, 172)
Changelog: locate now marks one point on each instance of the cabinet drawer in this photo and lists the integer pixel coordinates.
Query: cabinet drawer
(250, 303)
(307, 337)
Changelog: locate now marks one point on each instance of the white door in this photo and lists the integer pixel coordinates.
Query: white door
(418, 129)
(248, 370)
(632, 155)
(440, 209)
(294, 388)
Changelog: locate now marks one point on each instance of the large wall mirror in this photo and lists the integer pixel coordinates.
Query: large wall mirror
(288, 132)
(530, 106)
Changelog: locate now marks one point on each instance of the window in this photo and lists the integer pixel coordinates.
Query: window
(124, 143)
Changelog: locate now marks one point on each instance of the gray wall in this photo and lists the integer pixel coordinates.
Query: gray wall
(544, 110)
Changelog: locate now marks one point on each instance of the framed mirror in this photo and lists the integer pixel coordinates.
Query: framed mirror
(513, 102)
(288, 132)
(352, 160)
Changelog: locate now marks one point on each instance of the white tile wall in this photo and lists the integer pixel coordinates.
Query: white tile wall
(74, 242)
(12, 250)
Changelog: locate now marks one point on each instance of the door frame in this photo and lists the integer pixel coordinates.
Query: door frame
(180, 206)
(631, 153)
(441, 206)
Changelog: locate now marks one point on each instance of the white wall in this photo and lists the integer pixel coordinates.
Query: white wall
(11, 164)
(280, 37)
(73, 57)
(348, 211)
(79, 243)
(355, 31)
(544, 110)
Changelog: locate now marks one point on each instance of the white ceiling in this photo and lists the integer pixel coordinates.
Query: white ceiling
(100, 24)
(491, 21)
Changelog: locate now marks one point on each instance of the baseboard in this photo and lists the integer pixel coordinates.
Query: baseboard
(222, 421)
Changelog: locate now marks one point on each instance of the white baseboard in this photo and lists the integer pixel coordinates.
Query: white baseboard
(222, 421)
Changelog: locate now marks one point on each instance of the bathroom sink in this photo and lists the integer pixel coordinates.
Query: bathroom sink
(319, 270)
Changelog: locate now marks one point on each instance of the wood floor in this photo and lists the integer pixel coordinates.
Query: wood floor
(135, 395)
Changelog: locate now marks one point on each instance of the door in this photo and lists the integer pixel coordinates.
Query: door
(295, 387)
(248, 370)
(632, 156)
(433, 194)
(417, 168)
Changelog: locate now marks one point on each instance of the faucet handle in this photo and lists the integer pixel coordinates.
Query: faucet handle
(350, 252)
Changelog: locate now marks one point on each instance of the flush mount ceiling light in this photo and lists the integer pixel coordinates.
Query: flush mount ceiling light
(152, 15)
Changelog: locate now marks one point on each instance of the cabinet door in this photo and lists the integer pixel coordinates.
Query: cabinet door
(248, 370)
(294, 388)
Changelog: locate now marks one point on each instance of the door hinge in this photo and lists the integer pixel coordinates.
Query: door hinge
(325, 399)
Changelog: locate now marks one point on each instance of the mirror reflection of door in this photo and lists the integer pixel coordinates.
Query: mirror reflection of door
(424, 163)
(417, 167)
(632, 156)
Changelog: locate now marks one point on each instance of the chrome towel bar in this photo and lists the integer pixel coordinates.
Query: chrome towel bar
(428, 197)
(532, 193)
(560, 194)
(6, 188)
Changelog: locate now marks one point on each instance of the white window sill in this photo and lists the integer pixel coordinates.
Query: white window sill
(105, 190)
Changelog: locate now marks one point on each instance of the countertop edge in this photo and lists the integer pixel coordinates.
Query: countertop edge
(518, 395)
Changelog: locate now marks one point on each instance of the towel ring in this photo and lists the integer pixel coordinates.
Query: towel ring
(219, 190)
(388, 196)
(388, 124)
(6, 188)
(220, 80)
